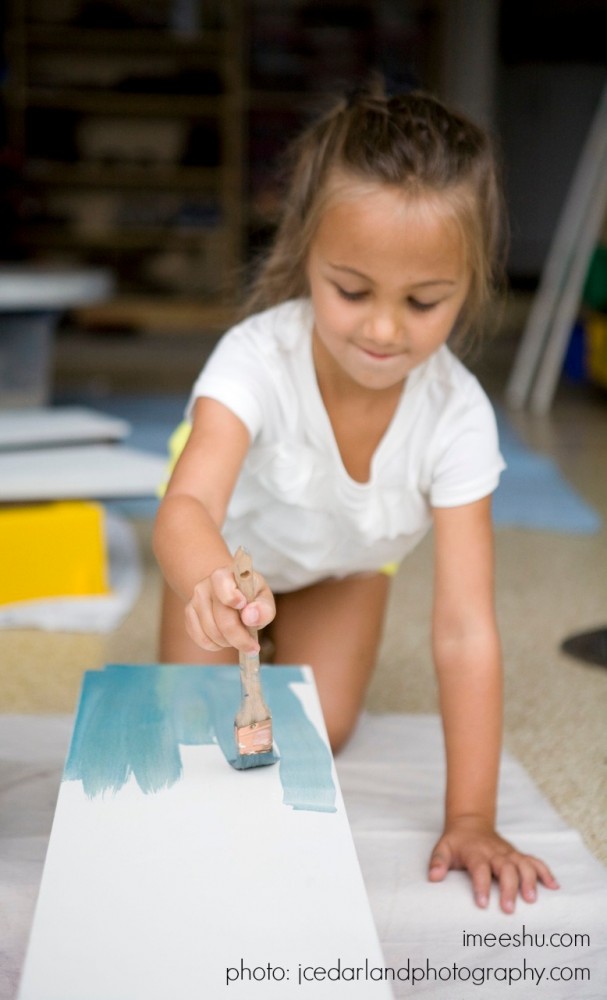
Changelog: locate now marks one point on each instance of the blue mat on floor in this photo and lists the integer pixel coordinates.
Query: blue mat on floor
(531, 494)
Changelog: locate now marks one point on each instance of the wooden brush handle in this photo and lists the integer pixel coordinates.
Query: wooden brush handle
(243, 572)
(253, 709)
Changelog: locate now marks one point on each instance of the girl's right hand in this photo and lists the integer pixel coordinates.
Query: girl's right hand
(218, 616)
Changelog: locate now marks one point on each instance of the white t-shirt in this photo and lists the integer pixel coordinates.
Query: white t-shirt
(296, 509)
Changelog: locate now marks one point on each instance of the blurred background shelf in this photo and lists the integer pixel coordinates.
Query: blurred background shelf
(147, 135)
(126, 124)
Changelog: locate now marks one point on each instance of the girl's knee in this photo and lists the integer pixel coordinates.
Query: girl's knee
(339, 730)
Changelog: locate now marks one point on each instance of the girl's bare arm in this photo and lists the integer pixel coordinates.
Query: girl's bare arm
(188, 544)
(468, 663)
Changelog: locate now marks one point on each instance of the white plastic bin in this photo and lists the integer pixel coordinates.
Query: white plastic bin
(32, 300)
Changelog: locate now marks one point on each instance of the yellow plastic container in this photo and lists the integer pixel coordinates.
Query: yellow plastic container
(52, 550)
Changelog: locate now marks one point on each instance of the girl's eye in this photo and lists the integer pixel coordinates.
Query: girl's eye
(422, 306)
(350, 296)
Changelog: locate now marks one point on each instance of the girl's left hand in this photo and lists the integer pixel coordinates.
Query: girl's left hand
(471, 844)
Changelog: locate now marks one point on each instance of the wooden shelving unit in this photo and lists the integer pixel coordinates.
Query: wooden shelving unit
(154, 151)
(131, 139)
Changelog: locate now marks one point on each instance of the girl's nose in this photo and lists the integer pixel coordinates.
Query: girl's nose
(386, 327)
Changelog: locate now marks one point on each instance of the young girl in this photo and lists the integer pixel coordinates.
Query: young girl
(334, 426)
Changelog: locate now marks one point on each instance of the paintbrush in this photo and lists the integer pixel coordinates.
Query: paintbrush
(253, 722)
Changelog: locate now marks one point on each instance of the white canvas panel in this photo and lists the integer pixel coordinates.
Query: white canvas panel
(212, 885)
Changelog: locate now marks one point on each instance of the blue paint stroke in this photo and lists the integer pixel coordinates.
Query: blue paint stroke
(131, 720)
(306, 761)
(121, 730)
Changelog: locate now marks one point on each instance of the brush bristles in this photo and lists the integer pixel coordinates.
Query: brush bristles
(245, 762)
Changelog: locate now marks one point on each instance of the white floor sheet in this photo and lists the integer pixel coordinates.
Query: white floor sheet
(435, 940)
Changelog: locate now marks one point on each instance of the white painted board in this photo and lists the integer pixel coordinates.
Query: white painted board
(55, 425)
(170, 873)
(93, 471)
(392, 776)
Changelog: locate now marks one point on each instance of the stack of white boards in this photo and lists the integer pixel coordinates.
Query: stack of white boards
(49, 453)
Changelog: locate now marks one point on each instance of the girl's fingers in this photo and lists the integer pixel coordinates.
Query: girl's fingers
(520, 874)
(225, 590)
(202, 622)
(255, 614)
(214, 625)
(481, 883)
(218, 616)
(509, 881)
(258, 613)
(545, 875)
(533, 869)
(196, 632)
(489, 859)
(528, 886)
(440, 862)
(234, 633)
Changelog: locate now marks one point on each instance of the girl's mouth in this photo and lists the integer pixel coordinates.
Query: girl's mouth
(380, 355)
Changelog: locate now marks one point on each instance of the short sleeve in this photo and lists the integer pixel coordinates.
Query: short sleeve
(234, 376)
(467, 459)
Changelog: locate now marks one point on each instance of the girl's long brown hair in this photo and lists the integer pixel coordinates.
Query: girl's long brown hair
(411, 142)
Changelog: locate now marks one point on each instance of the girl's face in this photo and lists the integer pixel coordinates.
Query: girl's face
(388, 278)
